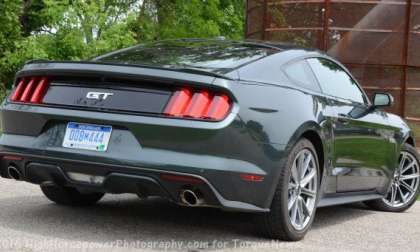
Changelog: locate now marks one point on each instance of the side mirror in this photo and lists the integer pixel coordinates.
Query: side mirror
(383, 100)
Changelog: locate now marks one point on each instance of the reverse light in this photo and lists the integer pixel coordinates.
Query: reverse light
(86, 178)
(200, 104)
(30, 90)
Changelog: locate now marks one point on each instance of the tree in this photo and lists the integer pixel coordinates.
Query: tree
(163, 19)
(81, 29)
(33, 17)
(10, 29)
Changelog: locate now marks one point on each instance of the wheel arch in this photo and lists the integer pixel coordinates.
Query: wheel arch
(410, 140)
(314, 133)
(317, 142)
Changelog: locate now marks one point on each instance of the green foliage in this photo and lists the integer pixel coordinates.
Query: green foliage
(33, 16)
(81, 29)
(10, 29)
(9, 20)
(3, 93)
(198, 18)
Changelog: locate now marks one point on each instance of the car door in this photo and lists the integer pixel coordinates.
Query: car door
(364, 147)
(301, 74)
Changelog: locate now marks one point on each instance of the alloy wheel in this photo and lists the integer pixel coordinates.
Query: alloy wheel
(405, 181)
(302, 189)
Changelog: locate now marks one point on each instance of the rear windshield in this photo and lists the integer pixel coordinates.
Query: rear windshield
(214, 55)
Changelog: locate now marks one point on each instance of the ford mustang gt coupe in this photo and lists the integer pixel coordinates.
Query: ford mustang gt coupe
(248, 126)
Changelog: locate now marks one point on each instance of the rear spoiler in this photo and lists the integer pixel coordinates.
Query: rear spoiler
(45, 67)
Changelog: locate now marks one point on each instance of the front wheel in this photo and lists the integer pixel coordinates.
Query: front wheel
(404, 188)
(294, 205)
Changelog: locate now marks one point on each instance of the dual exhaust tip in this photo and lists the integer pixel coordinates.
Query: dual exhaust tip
(191, 197)
(188, 197)
(14, 173)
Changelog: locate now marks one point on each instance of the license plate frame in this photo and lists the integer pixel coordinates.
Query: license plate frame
(84, 136)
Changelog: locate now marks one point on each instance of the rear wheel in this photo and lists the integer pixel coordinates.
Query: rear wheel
(70, 196)
(404, 188)
(294, 205)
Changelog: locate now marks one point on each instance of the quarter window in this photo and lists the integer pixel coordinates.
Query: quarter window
(335, 81)
(300, 73)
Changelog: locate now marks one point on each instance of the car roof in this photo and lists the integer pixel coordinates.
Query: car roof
(215, 55)
(280, 46)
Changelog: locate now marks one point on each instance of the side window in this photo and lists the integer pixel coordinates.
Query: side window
(300, 73)
(335, 81)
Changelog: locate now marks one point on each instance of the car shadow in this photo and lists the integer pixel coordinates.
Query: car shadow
(129, 219)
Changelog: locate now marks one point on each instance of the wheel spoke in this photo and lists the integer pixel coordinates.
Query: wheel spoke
(402, 161)
(407, 186)
(292, 202)
(409, 166)
(407, 177)
(300, 211)
(393, 195)
(306, 210)
(401, 194)
(295, 175)
(306, 165)
(292, 185)
(294, 212)
(308, 192)
(308, 178)
(300, 165)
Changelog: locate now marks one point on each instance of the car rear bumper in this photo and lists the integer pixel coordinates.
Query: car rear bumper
(141, 150)
(125, 169)
(116, 179)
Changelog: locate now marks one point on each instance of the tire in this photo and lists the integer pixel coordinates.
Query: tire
(277, 224)
(69, 196)
(399, 205)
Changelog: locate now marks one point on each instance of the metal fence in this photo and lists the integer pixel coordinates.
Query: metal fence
(379, 41)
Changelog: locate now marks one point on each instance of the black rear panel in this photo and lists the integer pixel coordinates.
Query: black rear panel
(129, 99)
(117, 89)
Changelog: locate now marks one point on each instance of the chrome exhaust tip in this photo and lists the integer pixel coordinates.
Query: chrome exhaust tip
(14, 173)
(191, 198)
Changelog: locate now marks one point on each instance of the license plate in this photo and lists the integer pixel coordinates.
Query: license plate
(87, 136)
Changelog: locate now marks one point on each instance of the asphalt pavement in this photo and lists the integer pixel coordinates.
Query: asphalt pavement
(29, 222)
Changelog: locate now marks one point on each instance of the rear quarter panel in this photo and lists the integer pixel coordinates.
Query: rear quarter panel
(277, 116)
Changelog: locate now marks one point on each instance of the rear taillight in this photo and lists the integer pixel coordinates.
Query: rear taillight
(30, 90)
(199, 104)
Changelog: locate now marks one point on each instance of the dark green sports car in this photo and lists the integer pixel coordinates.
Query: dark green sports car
(249, 126)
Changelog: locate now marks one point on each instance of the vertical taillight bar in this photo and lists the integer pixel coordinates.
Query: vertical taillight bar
(200, 104)
(40, 91)
(178, 103)
(26, 96)
(19, 90)
(218, 108)
(30, 90)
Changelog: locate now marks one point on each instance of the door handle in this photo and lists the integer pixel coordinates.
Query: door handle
(343, 119)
